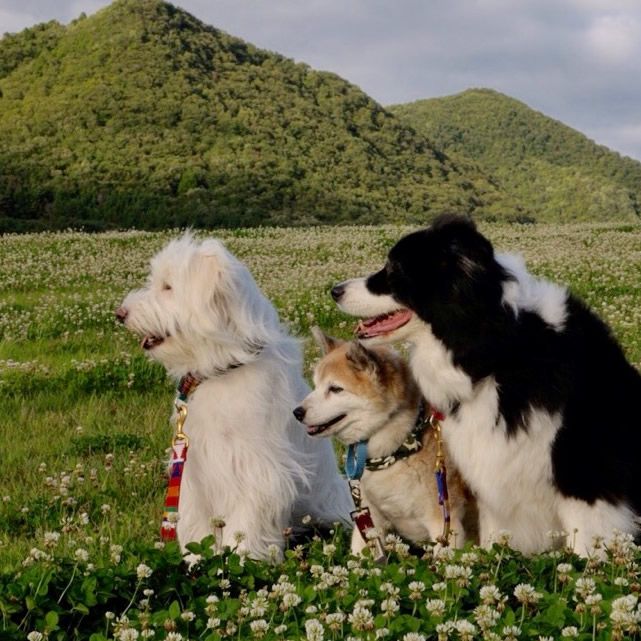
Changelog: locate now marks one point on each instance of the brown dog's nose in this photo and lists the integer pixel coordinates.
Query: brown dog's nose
(121, 314)
(299, 413)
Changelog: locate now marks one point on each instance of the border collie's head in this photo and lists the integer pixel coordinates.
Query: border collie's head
(445, 275)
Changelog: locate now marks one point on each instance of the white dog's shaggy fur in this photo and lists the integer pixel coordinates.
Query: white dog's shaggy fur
(249, 461)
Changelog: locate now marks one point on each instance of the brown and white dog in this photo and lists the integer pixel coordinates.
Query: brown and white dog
(364, 394)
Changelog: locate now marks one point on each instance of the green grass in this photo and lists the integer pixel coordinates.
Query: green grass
(85, 415)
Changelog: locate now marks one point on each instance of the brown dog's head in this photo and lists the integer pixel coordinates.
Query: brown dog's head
(357, 390)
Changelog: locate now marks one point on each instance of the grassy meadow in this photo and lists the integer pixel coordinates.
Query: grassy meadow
(84, 436)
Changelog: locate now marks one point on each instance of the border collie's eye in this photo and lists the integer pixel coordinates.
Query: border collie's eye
(334, 389)
(166, 287)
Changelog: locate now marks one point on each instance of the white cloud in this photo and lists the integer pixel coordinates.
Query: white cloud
(615, 39)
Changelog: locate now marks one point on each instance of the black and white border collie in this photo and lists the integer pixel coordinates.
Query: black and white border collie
(543, 412)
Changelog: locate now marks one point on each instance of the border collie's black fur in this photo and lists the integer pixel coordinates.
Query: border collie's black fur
(572, 368)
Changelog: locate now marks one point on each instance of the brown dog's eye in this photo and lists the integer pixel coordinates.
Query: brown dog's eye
(334, 389)
(166, 287)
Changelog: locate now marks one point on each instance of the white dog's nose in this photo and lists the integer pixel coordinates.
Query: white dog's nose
(121, 314)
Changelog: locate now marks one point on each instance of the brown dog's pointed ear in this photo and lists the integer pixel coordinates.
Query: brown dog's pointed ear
(360, 358)
(325, 342)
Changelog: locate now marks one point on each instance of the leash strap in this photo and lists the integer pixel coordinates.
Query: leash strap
(440, 473)
(355, 461)
(179, 447)
(170, 513)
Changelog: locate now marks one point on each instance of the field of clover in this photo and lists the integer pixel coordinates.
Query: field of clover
(84, 437)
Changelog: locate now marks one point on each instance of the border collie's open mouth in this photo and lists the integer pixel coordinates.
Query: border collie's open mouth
(314, 430)
(383, 324)
(150, 341)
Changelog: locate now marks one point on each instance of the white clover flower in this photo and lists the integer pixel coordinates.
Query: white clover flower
(441, 586)
(459, 573)
(314, 630)
(361, 618)
(35, 636)
(436, 607)
(51, 538)
(334, 620)
(414, 636)
(486, 616)
(389, 588)
(570, 631)
(280, 629)
(115, 552)
(306, 520)
(416, 589)
(389, 606)
(329, 549)
(490, 594)
(143, 571)
(187, 615)
(564, 568)
(584, 586)
(174, 636)
(127, 634)
(465, 629)
(381, 633)
(81, 555)
(526, 594)
(443, 630)
(511, 632)
(259, 627)
(621, 581)
(625, 613)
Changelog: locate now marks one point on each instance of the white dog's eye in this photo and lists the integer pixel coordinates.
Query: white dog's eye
(334, 389)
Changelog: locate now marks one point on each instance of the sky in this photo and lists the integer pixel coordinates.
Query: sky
(578, 61)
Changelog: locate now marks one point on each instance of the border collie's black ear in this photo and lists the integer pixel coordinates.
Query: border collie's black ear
(443, 220)
(325, 342)
(360, 358)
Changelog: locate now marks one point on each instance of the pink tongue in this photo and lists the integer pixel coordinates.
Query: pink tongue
(384, 325)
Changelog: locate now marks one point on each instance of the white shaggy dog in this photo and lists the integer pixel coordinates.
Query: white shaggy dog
(249, 461)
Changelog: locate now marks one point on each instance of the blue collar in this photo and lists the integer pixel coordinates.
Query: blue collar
(355, 460)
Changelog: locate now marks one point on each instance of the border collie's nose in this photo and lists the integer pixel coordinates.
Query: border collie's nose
(338, 291)
(121, 314)
(299, 413)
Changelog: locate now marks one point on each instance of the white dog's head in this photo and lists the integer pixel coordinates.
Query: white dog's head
(201, 310)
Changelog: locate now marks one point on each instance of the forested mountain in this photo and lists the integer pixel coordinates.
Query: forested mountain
(141, 115)
(552, 171)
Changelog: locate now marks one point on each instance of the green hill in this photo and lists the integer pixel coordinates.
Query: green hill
(141, 115)
(552, 171)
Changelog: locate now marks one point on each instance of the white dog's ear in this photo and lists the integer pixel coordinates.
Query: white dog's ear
(360, 358)
(325, 342)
